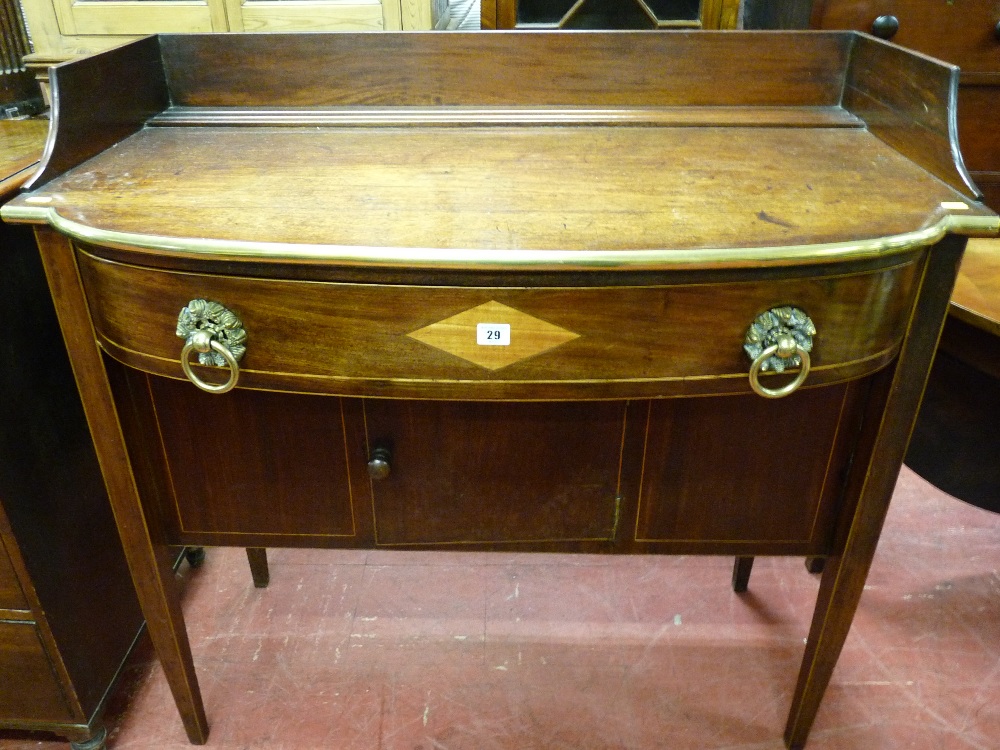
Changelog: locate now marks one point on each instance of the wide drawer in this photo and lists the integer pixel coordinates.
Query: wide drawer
(29, 690)
(564, 342)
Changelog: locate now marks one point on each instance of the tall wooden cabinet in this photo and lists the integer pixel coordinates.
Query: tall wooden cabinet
(68, 612)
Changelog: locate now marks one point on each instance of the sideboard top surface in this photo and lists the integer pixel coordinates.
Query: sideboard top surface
(618, 151)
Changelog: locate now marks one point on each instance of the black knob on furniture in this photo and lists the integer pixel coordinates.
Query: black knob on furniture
(885, 27)
(380, 462)
(996, 31)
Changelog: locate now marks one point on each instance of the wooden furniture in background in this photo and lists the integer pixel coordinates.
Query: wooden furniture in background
(64, 29)
(965, 33)
(532, 342)
(956, 440)
(610, 14)
(68, 612)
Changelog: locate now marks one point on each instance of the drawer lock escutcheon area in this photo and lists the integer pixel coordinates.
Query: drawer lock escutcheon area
(217, 334)
(777, 340)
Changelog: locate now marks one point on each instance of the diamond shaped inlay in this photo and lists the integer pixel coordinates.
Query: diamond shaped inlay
(465, 336)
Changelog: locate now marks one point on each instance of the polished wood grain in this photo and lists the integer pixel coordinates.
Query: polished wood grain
(132, 89)
(976, 299)
(352, 339)
(894, 105)
(961, 33)
(149, 561)
(477, 69)
(458, 474)
(872, 482)
(284, 459)
(252, 201)
(715, 494)
(499, 193)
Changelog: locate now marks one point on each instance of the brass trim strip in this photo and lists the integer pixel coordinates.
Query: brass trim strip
(503, 259)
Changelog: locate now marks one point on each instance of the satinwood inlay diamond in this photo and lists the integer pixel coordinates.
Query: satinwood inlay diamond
(457, 335)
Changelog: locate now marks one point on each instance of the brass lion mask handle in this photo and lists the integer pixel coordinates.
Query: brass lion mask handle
(777, 340)
(217, 334)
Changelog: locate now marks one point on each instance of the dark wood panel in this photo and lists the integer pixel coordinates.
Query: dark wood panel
(52, 489)
(977, 125)
(474, 472)
(476, 69)
(266, 462)
(893, 91)
(342, 337)
(744, 469)
(11, 596)
(128, 83)
(35, 695)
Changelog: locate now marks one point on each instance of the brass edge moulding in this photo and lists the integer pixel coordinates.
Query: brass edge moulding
(568, 260)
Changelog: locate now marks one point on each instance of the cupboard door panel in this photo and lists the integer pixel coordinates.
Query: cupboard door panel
(249, 462)
(743, 469)
(467, 472)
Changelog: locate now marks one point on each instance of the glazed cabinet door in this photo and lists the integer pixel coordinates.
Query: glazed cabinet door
(489, 473)
(610, 14)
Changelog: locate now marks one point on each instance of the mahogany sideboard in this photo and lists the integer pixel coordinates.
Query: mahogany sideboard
(69, 615)
(523, 290)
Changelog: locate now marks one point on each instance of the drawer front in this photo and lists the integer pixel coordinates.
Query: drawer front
(962, 33)
(11, 595)
(29, 690)
(613, 342)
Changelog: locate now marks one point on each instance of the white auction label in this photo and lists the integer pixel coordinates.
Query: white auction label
(493, 334)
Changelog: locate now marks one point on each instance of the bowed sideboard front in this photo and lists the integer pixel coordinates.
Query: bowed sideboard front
(430, 306)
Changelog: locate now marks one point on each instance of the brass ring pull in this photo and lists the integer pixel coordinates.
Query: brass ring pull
(779, 339)
(785, 390)
(217, 334)
(203, 342)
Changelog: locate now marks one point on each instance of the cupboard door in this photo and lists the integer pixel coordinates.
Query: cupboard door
(464, 472)
(255, 464)
(745, 470)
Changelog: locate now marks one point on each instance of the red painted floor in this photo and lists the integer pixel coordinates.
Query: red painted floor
(458, 651)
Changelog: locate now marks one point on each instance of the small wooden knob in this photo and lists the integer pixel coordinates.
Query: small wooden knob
(380, 462)
(885, 27)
